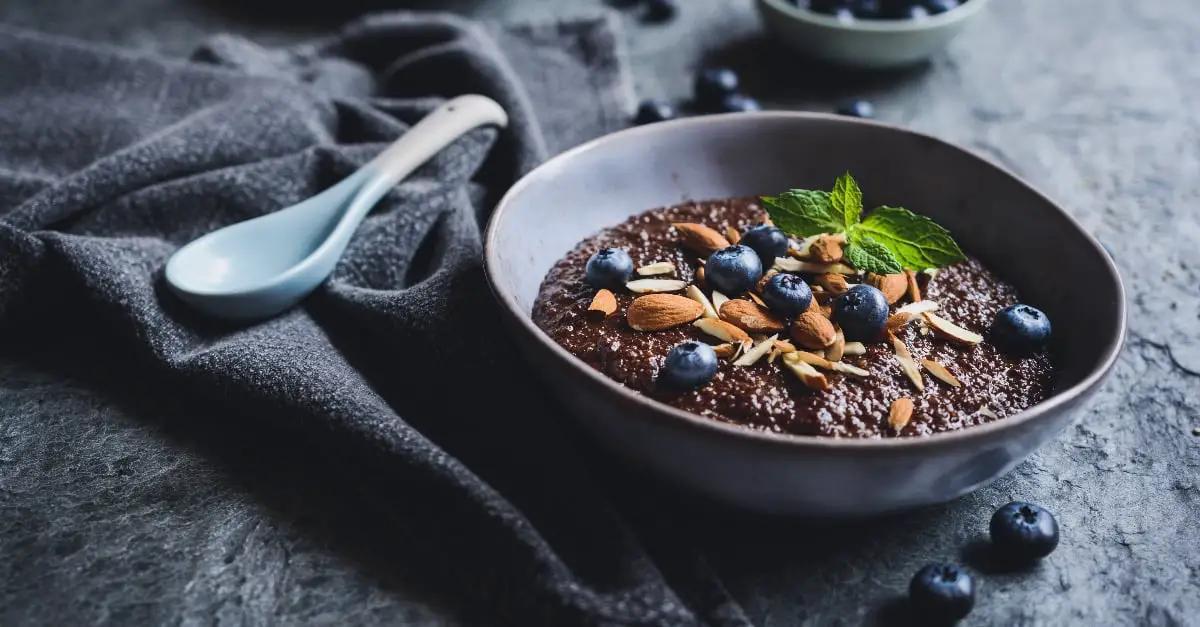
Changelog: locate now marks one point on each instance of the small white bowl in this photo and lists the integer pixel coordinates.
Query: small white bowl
(867, 44)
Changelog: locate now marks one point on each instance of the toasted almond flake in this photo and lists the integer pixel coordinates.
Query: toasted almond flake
(757, 300)
(897, 321)
(845, 368)
(855, 348)
(907, 365)
(721, 330)
(900, 413)
(918, 307)
(656, 312)
(924, 330)
(814, 360)
(940, 372)
(718, 299)
(655, 286)
(914, 290)
(987, 411)
(949, 330)
(697, 295)
(785, 346)
(833, 283)
(805, 372)
(701, 239)
(838, 348)
(701, 260)
(775, 352)
(605, 302)
(725, 351)
(749, 317)
(787, 264)
(732, 235)
(750, 357)
(744, 346)
(803, 248)
(661, 267)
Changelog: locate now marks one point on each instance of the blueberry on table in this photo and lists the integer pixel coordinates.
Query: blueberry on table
(713, 85)
(650, 111)
(661, 10)
(861, 312)
(787, 295)
(766, 240)
(733, 270)
(609, 268)
(942, 593)
(857, 109)
(1024, 531)
(940, 6)
(738, 103)
(689, 365)
(1021, 329)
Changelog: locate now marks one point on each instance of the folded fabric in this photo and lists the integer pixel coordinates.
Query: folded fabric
(397, 368)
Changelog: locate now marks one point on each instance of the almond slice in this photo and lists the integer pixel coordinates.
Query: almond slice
(855, 348)
(718, 300)
(826, 249)
(893, 286)
(732, 235)
(697, 295)
(785, 346)
(787, 264)
(775, 352)
(750, 357)
(897, 321)
(838, 348)
(657, 312)
(721, 330)
(919, 307)
(812, 330)
(900, 413)
(833, 283)
(655, 286)
(845, 368)
(701, 239)
(805, 372)
(910, 368)
(661, 267)
(914, 290)
(949, 330)
(814, 359)
(749, 317)
(757, 299)
(605, 302)
(803, 248)
(941, 373)
(987, 411)
(725, 351)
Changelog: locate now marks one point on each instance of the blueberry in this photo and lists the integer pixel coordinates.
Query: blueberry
(940, 6)
(857, 109)
(689, 365)
(768, 241)
(713, 85)
(861, 312)
(867, 9)
(733, 270)
(1024, 531)
(787, 295)
(661, 10)
(942, 593)
(1021, 329)
(650, 111)
(609, 268)
(738, 103)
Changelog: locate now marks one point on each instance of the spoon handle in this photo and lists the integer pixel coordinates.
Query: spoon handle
(426, 138)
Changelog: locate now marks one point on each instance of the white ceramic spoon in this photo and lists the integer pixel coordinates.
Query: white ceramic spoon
(263, 266)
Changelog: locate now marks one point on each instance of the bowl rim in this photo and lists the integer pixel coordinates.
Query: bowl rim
(958, 14)
(816, 443)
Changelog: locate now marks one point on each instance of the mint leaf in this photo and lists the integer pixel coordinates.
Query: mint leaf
(847, 199)
(868, 255)
(917, 242)
(802, 213)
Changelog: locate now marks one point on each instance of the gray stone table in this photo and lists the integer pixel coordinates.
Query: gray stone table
(1093, 101)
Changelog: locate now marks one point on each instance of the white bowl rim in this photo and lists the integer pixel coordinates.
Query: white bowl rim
(958, 14)
(816, 443)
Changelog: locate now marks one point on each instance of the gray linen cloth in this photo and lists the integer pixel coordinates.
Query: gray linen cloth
(395, 377)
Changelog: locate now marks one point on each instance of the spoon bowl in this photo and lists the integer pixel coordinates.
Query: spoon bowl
(263, 266)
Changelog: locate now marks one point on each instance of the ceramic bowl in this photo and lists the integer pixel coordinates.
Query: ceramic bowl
(867, 44)
(994, 215)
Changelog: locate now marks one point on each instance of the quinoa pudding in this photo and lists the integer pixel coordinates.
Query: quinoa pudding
(937, 349)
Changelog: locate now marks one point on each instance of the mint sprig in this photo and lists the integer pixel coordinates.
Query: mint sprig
(888, 240)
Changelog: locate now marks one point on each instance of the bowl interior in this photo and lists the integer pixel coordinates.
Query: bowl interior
(1013, 229)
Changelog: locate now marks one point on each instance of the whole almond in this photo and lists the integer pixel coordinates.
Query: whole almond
(914, 290)
(604, 302)
(749, 317)
(812, 330)
(893, 286)
(835, 284)
(826, 249)
(700, 238)
(900, 413)
(655, 312)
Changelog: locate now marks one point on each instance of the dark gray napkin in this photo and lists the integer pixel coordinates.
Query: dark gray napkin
(397, 370)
